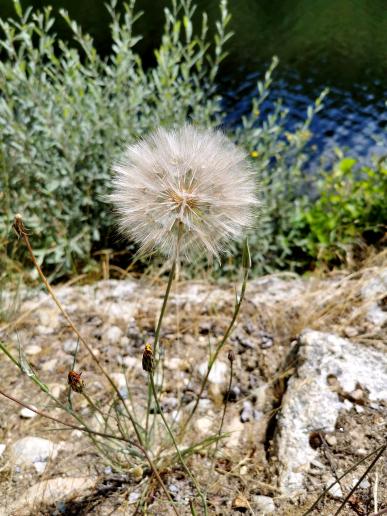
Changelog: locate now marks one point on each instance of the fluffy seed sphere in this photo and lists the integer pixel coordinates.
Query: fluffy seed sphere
(188, 190)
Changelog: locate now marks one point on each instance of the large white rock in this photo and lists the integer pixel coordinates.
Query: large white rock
(48, 492)
(309, 403)
(34, 451)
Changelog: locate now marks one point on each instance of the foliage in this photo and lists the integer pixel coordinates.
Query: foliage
(350, 207)
(65, 114)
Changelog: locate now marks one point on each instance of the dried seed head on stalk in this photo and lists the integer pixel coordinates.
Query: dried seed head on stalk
(189, 185)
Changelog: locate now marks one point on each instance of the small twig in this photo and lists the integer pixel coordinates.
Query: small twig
(383, 511)
(361, 479)
(325, 491)
(22, 233)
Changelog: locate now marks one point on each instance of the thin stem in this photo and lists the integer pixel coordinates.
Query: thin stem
(100, 434)
(21, 231)
(325, 491)
(217, 350)
(182, 462)
(361, 480)
(156, 340)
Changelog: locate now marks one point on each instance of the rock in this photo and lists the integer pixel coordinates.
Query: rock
(51, 491)
(203, 424)
(2, 448)
(335, 491)
(263, 504)
(133, 497)
(32, 349)
(311, 404)
(241, 504)
(218, 374)
(69, 346)
(331, 440)
(34, 451)
(113, 335)
(120, 380)
(364, 484)
(26, 413)
(236, 429)
(246, 412)
(50, 365)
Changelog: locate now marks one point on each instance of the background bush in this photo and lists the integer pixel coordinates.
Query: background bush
(65, 114)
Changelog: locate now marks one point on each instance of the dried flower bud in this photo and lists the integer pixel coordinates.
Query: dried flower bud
(75, 381)
(147, 359)
(18, 226)
(231, 355)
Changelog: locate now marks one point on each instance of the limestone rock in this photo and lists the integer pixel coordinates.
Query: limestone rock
(34, 451)
(311, 404)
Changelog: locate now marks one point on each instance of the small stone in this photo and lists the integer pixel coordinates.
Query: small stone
(120, 380)
(50, 365)
(335, 491)
(113, 335)
(331, 440)
(133, 497)
(69, 346)
(32, 349)
(357, 394)
(246, 412)
(34, 451)
(131, 362)
(203, 424)
(264, 504)
(2, 448)
(364, 484)
(240, 503)
(218, 374)
(26, 413)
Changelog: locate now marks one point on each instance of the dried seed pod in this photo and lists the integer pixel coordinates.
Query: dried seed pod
(75, 381)
(147, 359)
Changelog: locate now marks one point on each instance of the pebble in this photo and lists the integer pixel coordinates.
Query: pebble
(335, 491)
(32, 349)
(203, 424)
(50, 365)
(331, 440)
(2, 448)
(263, 504)
(120, 380)
(364, 484)
(69, 346)
(113, 335)
(34, 451)
(246, 412)
(26, 413)
(218, 374)
(133, 497)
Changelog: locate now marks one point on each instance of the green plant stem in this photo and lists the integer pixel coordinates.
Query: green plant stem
(100, 434)
(182, 462)
(24, 235)
(157, 337)
(218, 350)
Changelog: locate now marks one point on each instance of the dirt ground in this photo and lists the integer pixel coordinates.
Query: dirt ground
(264, 341)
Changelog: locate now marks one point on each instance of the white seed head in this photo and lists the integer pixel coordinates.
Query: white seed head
(188, 188)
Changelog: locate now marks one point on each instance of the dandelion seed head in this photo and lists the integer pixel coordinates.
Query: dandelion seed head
(189, 188)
